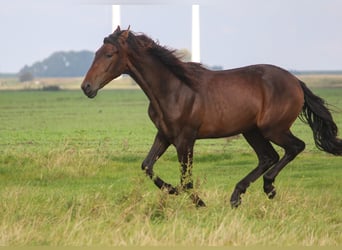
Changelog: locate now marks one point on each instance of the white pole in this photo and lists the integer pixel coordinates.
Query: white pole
(116, 18)
(195, 42)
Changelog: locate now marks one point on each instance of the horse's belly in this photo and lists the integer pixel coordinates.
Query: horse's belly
(221, 127)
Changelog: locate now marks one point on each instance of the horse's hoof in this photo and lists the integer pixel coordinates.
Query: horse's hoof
(200, 203)
(235, 199)
(197, 200)
(269, 189)
(272, 194)
(235, 203)
(169, 189)
(173, 190)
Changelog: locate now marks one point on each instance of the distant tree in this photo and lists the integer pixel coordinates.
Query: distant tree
(26, 76)
(61, 64)
(216, 67)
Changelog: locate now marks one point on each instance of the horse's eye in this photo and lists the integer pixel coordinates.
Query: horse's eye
(109, 55)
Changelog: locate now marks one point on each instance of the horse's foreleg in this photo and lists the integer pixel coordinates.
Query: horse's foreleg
(159, 146)
(185, 157)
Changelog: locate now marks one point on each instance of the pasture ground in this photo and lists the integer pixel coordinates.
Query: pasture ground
(70, 176)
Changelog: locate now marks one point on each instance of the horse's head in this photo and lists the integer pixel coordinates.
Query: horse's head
(110, 62)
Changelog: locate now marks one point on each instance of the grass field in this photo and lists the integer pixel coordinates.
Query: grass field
(70, 176)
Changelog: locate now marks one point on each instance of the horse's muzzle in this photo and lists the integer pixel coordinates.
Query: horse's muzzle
(88, 90)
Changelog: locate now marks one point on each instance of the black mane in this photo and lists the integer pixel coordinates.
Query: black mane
(187, 72)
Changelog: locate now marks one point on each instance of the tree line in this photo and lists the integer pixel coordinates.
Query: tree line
(59, 64)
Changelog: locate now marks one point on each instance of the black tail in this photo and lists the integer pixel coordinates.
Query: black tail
(318, 116)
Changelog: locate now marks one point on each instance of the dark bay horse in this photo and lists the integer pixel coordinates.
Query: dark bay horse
(189, 102)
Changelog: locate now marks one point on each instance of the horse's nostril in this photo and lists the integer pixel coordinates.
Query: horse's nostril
(88, 89)
(85, 86)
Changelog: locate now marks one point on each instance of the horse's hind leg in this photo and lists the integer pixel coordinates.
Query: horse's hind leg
(292, 146)
(267, 157)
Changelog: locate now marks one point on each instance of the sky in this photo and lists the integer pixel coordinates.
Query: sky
(293, 34)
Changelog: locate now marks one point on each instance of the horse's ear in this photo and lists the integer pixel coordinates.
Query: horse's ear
(124, 34)
(117, 29)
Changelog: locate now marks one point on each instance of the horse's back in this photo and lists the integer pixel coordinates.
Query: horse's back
(254, 96)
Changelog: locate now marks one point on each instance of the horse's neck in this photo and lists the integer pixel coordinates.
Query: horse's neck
(154, 79)
(163, 89)
(150, 79)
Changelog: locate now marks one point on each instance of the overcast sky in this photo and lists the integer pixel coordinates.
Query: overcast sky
(294, 34)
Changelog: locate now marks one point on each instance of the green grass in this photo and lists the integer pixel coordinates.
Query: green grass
(70, 175)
